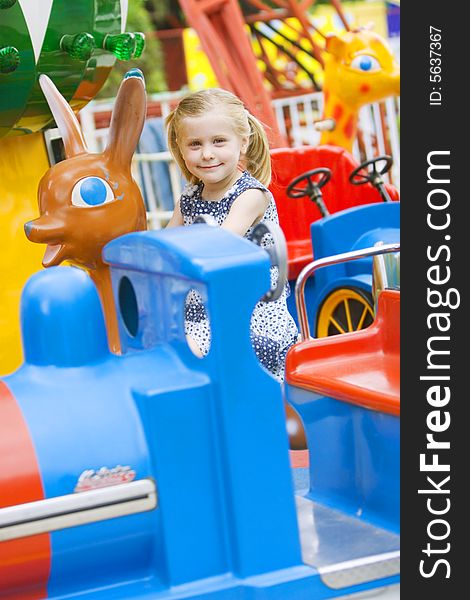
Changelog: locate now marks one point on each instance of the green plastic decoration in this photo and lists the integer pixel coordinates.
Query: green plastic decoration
(139, 44)
(79, 46)
(6, 3)
(122, 45)
(75, 43)
(9, 59)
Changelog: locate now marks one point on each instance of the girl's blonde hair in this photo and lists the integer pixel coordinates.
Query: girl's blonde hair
(256, 160)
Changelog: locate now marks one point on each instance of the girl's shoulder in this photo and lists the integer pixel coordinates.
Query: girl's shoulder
(244, 183)
(251, 182)
(248, 182)
(190, 193)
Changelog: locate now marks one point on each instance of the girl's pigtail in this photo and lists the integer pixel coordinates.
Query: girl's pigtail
(258, 158)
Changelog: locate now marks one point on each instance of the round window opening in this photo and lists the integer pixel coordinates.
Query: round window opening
(128, 306)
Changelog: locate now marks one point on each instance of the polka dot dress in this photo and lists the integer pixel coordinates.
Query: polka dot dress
(272, 329)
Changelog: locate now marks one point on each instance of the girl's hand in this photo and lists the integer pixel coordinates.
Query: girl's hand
(246, 211)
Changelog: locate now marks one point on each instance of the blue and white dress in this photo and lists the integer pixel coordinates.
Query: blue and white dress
(273, 330)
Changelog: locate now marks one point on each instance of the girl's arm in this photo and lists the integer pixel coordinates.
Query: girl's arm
(176, 218)
(247, 210)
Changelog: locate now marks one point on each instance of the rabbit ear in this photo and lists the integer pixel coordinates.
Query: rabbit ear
(64, 117)
(128, 118)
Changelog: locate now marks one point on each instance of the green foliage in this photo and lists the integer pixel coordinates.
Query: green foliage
(165, 14)
(151, 61)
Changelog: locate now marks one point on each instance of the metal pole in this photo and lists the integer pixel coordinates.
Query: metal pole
(325, 262)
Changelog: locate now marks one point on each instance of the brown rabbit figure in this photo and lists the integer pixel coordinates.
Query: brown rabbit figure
(89, 199)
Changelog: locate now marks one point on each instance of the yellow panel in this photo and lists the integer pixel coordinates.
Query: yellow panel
(200, 73)
(23, 161)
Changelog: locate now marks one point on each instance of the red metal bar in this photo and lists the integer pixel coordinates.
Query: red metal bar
(221, 28)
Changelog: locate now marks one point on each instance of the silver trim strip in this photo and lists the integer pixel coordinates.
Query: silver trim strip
(325, 262)
(61, 512)
(354, 572)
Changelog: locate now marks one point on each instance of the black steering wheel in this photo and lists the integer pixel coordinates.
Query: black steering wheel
(277, 254)
(362, 174)
(314, 180)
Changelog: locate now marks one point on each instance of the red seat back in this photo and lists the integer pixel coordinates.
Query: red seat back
(296, 215)
(362, 367)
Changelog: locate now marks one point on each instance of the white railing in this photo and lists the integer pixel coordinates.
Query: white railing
(378, 127)
(296, 116)
(378, 124)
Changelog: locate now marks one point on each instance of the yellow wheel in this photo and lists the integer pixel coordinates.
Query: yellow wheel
(345, 309)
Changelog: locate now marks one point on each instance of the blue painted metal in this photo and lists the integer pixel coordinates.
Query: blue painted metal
(355, 459)
(77, 400)
(210, 432)
(351, 229)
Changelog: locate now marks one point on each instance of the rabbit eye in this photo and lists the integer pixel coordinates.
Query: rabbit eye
(92, 191)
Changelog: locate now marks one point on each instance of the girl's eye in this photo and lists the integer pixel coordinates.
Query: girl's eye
(364, 62)
(91, 191)
(219, 140)
(194, 144)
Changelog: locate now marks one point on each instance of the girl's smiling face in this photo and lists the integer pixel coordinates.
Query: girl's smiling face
(211, 150)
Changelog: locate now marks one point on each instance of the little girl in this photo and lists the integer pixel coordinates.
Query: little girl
(223, 152)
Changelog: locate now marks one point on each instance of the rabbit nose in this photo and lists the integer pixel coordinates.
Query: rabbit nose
(27, 228)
